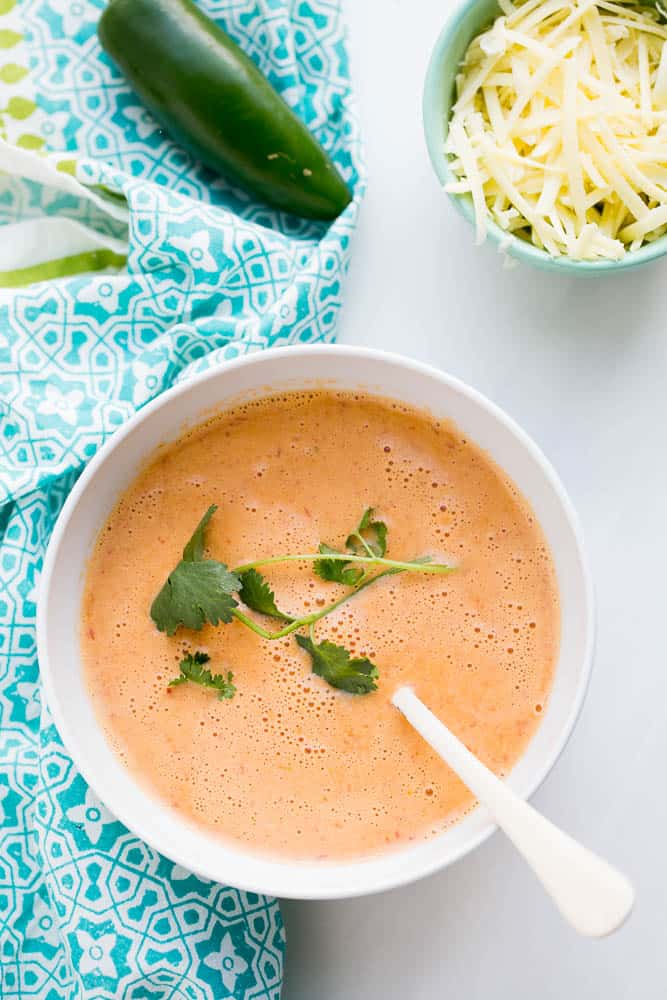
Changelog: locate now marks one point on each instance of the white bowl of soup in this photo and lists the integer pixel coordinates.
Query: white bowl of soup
(294, 787)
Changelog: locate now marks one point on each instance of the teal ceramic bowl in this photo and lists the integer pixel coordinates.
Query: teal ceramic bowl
(470, 19)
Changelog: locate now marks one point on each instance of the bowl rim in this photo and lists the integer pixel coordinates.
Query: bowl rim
(401, 875)
(435, 127)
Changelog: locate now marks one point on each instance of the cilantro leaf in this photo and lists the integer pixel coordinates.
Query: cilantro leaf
(194, 550)
(256, 593)
(193, 669)
(198, 590)
(369, 538)
(334, 664)
(195, 593)
(336, 570)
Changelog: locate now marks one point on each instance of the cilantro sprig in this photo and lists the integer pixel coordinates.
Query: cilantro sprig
(193, 668)
(200, 591)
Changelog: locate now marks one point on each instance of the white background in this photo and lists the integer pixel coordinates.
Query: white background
(582, 365)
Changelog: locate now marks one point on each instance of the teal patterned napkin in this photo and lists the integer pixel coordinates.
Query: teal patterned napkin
(125, 267)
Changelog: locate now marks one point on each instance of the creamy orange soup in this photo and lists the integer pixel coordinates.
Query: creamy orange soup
(290, 766)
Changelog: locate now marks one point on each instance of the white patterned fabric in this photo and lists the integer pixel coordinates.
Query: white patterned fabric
(124, 267)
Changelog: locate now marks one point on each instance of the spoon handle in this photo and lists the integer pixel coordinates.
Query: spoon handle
(594, 897)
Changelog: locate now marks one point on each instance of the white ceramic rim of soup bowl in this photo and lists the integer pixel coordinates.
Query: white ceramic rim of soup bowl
(114, 467)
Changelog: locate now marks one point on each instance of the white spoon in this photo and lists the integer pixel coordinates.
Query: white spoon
(590, 894)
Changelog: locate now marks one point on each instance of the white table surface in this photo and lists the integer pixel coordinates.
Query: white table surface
(582, 365)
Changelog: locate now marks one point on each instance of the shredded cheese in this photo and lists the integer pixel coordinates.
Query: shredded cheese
(559, 131)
